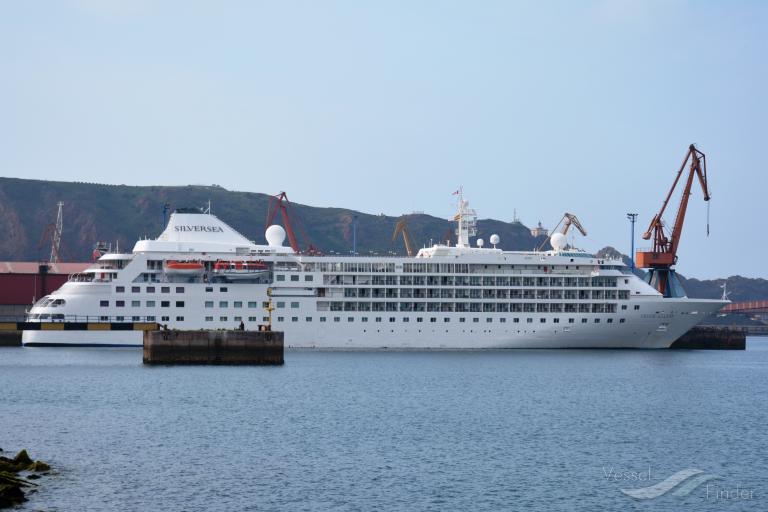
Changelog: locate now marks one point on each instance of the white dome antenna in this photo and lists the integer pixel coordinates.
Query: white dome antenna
(495, 240)
(480, 242)
(275, 235)
(558, 241)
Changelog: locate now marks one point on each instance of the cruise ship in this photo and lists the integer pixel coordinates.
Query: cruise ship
(202, 274)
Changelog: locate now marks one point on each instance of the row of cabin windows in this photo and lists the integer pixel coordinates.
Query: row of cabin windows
(295, 277)
(137, 303)
(235, 304)
(472, 307)
(477, 293)
(163, 289)
(572, 282)
(140, 319)
(449, 268)
(445, 320)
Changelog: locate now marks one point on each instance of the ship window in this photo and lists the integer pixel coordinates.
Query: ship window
(350, 319)
(207, 288)
(135, 303)
(419, 319)
(637, 307)
(179, 289)
(223, 304)
(462, 320)
(265, 304)
(364, 319)
(621, 320)
(542, 320)
(610, 320)
(623, 306)
(120, 303)
(104, 303)
(104, 318)
(475, 320)
(252, 319)
(238, 319)
(164, 318)
(253, 304)
(209, 319)
(120, 289)
(392, 319)
(294, 278)
(165, 289)
(378, 319)
(150, 319)
(597, 320)
(294, 319)
(308, 278)
(179, 318)
(583, 320)
(489, 320)
(281, 304)
(165, 304)
(179, 303)
(224, 319)
(322, 319)
(280, 277)
(308, 319)
(135, 318)
(626, 281)
(556, 320)
(209, 303)
(516, 320)
(529, 320)
(135, 289)
(446, 319)
(238, 304)
(150, 289)
(119, 318)
(294, 305)
(223, 289)
(336, 319)
(570, 320)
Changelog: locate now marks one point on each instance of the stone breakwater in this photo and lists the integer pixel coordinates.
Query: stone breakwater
(15, 476)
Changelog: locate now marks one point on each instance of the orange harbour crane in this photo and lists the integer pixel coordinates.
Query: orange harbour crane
(663, 255)
(280, 203)
(402, 228)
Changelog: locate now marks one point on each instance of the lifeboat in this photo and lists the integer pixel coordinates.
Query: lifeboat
(184, 268)
(239, 269)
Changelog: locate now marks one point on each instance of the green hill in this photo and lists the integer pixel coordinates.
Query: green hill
(122, 214)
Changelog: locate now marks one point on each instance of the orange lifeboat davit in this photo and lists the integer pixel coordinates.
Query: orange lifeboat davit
(184, 268)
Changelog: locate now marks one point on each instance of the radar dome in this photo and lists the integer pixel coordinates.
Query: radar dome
(495, 239)
(275, 235)
(558, 241)
(480, 242)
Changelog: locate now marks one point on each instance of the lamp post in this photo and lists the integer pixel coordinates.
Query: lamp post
(632, 218)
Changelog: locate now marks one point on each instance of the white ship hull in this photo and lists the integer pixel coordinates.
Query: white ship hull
(444, 298)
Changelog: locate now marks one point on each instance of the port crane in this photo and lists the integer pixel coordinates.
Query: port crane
(401, 228)
(280, 203)
(663, 255)
(569, 220)
(53, 232)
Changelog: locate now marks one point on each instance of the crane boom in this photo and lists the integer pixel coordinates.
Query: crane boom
(402, 228)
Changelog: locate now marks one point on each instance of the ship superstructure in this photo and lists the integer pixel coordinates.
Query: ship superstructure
(201, 274)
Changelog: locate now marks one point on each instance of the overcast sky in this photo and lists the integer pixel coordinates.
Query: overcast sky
(539, 107)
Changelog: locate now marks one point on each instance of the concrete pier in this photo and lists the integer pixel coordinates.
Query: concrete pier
(712, 338)
(213, 347)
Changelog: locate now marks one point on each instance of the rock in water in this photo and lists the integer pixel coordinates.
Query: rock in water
(22, 458)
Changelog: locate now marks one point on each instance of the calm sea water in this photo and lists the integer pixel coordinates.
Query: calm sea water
(488, 430)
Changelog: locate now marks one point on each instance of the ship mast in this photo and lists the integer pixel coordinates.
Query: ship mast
(466, 219)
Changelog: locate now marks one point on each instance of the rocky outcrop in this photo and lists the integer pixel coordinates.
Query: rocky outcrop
(13, 488)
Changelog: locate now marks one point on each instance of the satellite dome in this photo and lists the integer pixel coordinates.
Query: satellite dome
(558, 241)
(480, 242)
(275, 235)
(495, 239)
